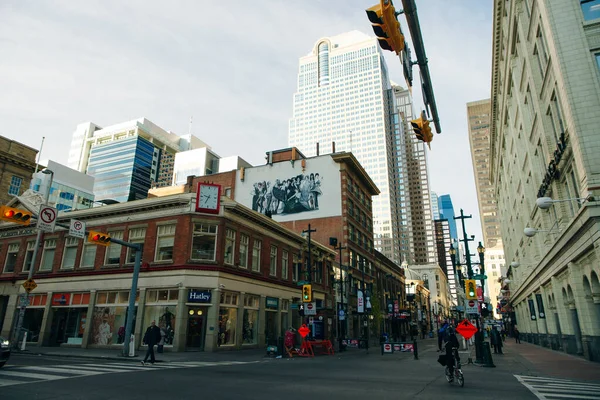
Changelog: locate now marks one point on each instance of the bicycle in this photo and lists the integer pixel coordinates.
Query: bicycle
(457, 370)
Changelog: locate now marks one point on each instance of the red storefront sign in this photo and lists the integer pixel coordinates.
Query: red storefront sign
(61, 299)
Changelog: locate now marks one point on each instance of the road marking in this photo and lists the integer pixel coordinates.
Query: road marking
(47, 377)
(546, 388)
(8, 382)
(61, 370)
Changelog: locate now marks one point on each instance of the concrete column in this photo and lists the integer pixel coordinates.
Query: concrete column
(46, 322)
(262, 318)
(180, 321)
(239, 326)
(9, 319)
(88, 320)
(139, 329)
(212, 322)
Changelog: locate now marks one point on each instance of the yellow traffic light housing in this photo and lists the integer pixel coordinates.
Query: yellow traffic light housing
(306, 293)
(16, 215)
(385, 23)
(99, 238)
(422, 129)
(470, 289)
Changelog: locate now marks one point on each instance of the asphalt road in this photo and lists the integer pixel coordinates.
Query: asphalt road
(325, 377)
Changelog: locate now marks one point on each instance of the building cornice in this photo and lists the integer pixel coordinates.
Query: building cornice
(496, 49)
(357, 168)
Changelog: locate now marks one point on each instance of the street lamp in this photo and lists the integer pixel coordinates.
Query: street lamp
(333, 241)
(38, 239)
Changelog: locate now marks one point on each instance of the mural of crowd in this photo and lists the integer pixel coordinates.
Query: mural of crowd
(287, 196)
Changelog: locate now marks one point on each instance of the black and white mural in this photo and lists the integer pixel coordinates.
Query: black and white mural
(287, 192)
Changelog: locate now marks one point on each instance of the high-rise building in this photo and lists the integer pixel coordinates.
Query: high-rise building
(127, 159)
(71, 190)
(342, 97)
(447, 212)
(443, 242)
(478, 113)
(435, 206)
(410, 183)
(545, 167)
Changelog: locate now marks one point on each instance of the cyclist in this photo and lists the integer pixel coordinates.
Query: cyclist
(451, 351)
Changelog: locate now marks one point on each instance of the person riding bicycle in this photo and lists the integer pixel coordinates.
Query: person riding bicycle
(451, 344)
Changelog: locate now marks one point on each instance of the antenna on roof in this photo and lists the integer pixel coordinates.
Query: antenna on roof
(37, 164)
(190, 132)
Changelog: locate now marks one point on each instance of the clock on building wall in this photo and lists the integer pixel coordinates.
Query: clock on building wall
(208, 198)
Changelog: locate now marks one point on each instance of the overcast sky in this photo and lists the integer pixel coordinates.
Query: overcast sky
(232, 65)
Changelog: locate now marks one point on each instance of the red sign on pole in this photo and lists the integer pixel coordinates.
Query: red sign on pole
(303, 330)
(466, 329)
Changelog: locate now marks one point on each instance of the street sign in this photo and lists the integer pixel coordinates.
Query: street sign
(387, 348)
(342, 315)
(47, 218)
(77, 229)
(29, 285)
(479, 277)
(466, 329)
(471, 307)
(310, 309)
(303, 330)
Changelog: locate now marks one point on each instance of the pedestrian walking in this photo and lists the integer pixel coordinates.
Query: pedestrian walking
(517, 335)
(151, 338)
(496, 340)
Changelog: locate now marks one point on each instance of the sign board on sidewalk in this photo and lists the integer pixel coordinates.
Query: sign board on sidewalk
(47, 218)
(310, 308)
(77, 229)
(29, 285)
(471, 307)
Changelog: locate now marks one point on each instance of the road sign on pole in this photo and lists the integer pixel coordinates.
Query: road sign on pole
(29, 285)
(310, 308)
(466, 329)
(77, 229)
(471, 307)
(47, 218)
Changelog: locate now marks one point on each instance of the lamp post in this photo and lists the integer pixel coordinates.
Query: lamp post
(481, 252)
(341, 313)
(307, 232)
(38, 239)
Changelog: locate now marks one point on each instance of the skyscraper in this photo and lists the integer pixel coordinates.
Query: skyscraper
(478, 113)
(447, 212)
(435, 206)
(343, 98)
(126, 159)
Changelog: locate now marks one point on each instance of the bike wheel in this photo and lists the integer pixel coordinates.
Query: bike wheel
(460, 379)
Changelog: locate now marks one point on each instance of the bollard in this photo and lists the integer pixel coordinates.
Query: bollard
(487, 356)
(415, 349)
(24, 342)
(132, 346)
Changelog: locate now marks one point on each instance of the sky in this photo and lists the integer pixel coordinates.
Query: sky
(231, 65)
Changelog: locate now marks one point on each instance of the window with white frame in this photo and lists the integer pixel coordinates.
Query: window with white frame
(48, 255)
(256, 255)
(204, 242)
(273, 261)
(11, 257)
(284, 264)
(165, 242)
(70, 253)
(28, 256)
(137, 236)
(15, 185)
(113, 253)
(229, 246)
(88, 255)
(244, 242)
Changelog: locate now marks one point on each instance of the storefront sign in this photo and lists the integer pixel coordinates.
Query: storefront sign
(61, 299)
(540, 304)
(532, 310)
(199, 296)
(272, 303)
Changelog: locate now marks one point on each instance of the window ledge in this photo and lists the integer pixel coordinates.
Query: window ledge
(161, 262)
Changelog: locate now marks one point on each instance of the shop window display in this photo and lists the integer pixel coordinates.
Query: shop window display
(110, 317)
(227, 324)
(163, 311)
(250, 324)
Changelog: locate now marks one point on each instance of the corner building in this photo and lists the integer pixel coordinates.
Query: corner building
(544, 142)
(212, 282)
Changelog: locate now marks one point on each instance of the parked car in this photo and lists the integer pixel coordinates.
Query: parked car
(4, 351)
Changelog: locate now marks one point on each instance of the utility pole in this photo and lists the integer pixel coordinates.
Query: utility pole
(466, 240)
(309, 266)
(333, 241)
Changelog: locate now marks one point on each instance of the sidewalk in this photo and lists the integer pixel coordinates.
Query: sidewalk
(529, 359)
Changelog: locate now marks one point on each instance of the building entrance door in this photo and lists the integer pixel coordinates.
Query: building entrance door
(195, 329)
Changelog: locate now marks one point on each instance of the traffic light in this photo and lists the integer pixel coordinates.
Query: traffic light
(385, 23)
(306, 293)
(99, 238)
(15, 215)
(422, 129)
(470, 290)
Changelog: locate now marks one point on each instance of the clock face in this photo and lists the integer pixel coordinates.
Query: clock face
(208, 197)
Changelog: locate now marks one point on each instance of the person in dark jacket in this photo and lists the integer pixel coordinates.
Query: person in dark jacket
(496, 340)
(517, 335)
(451, 344)
(151, 338)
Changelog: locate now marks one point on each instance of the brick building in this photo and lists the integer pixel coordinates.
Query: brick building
(17, 164)
(210, 282)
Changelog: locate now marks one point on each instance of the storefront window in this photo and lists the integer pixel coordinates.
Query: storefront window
(161, 307)
(110, 318)
(227, 324)
(32, 323)
(250, 323)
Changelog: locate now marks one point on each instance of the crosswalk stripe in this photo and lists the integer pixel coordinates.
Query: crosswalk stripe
(8, 382)
(571, 396)
(47, 377)
(127, 366)
(61, 370)
(98, 368)
(545, 388)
